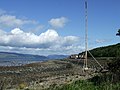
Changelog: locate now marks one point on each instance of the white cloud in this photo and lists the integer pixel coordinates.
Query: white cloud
(46, 43)
(48, 39)
(2, 11)
(99, 41)
(8, 21)
(49, 42)
(46, 51)
(37, 28)
(58, 22)
(13, 21)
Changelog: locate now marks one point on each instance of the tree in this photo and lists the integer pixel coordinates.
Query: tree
(118, 33)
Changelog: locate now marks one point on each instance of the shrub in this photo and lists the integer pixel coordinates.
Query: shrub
(22, 85)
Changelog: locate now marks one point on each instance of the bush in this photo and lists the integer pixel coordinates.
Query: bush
(22, 85)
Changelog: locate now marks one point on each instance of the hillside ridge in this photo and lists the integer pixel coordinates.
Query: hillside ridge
(106, 51)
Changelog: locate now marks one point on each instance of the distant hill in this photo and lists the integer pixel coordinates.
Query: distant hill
(17, 56)
(57, 56)
(106, 51)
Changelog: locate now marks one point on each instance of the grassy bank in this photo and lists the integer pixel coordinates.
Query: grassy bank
(87, 85)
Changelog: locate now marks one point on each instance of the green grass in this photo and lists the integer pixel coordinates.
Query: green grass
(86, 85)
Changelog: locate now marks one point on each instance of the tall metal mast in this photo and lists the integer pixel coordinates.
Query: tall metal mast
(86, 42)
(86, 36)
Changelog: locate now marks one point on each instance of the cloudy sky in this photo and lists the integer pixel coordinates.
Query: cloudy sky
(47, 27)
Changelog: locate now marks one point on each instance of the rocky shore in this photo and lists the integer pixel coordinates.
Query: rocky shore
(39, 76)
